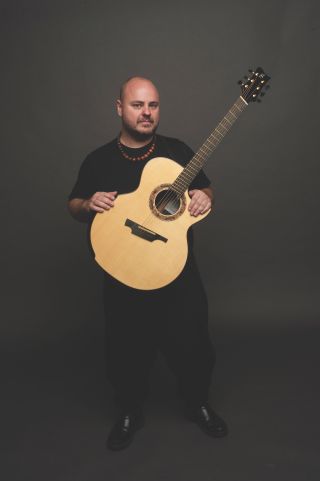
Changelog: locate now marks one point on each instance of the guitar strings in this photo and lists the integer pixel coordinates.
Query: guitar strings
(226, 123)
(171, 194)
(204, 151)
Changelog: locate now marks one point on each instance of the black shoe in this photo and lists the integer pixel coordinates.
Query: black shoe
(122, 433)
(208, 421)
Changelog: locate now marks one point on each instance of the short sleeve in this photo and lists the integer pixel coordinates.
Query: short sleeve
(85, 185)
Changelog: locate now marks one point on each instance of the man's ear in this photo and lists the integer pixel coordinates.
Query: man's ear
(119, 107)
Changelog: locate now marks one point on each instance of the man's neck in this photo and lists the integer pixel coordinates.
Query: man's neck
(134, 143)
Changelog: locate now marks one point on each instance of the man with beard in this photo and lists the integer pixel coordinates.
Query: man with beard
(173, 319)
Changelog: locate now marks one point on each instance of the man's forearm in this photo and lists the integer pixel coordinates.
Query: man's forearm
(79, 210)
(209, 192)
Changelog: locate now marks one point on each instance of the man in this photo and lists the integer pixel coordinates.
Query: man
(173, 319)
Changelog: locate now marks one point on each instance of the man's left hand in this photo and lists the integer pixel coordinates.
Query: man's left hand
(200, 202)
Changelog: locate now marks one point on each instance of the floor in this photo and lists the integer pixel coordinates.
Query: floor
(58, 409)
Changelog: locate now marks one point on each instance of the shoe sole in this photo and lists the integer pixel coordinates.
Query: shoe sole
(214, 435)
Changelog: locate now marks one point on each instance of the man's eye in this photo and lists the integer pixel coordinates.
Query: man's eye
(137, 106)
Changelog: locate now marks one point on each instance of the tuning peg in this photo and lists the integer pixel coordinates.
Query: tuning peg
(245, 77)
(239, 82)
(258, 100)
(262, 94)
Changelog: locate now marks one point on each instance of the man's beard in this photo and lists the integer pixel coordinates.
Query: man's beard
(140, 136)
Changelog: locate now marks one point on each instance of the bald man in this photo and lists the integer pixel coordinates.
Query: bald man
(173, 319)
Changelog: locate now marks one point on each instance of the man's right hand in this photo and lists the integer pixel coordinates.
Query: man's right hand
(101, 201)
(82, 209)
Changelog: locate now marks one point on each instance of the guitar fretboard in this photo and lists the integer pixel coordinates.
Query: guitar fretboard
(182, 182)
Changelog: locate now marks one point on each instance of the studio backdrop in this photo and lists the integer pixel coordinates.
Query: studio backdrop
(62, 65)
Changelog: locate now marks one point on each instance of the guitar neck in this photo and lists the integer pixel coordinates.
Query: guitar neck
(183, 181)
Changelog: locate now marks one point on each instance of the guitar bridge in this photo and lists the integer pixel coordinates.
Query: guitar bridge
(143, 232)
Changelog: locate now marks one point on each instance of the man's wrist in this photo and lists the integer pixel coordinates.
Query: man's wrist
(85, 206)
(209, 192)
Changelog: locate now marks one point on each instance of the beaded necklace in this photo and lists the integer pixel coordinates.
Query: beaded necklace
(141, 157)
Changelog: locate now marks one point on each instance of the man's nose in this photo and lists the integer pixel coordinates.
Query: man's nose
(146, 110)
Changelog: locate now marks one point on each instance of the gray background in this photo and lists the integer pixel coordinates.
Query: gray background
(62, 64)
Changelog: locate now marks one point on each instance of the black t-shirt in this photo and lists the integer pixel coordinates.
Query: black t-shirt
(107, 170)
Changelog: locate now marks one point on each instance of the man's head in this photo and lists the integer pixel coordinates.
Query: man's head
(138, 107)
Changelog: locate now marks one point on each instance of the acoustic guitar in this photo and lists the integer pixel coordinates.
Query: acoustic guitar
(142, 240)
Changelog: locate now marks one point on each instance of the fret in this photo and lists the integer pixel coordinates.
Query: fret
(234, 112)
(174, 189)
(190, 167)
(194, 170)
(187, 176)
(230, 119)
(209, 142)
(184, 179)
(180, 181)
(214, 138)
(226, 120)
(217, 132)
(237, 107)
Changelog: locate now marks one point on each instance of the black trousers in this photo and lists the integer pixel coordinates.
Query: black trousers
(174, 320)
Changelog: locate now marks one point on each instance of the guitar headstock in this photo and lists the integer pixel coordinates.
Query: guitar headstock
(253, 87)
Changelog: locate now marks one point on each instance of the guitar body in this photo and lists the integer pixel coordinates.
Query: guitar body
(142, 240)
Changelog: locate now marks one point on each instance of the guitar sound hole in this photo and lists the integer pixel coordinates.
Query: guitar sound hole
(167, 202)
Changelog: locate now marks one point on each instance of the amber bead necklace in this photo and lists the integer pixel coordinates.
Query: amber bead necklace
(140, 157)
